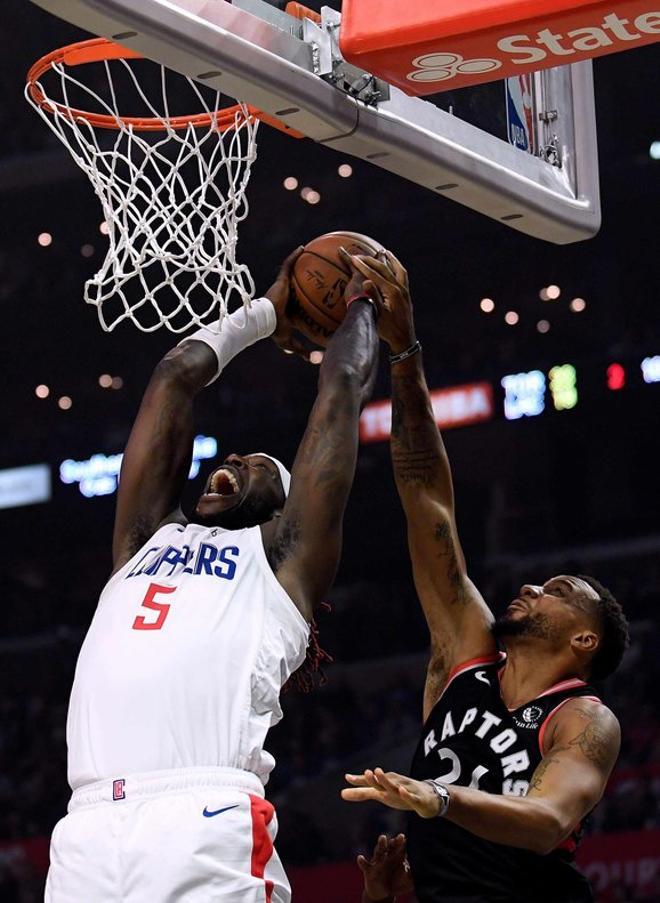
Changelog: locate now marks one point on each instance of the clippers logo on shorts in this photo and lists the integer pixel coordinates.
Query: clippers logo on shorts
(118, 792)
(171, 561)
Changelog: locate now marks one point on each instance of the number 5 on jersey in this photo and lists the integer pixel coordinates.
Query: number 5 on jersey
(149, 601)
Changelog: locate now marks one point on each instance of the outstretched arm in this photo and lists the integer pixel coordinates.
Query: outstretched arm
(159, 450)
(457, 616)
(305, 547)
(568, 783)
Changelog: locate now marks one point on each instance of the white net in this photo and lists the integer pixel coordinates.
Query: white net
(172, 198)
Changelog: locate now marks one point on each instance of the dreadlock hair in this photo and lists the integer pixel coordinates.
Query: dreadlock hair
(310, 674)
(614, 638)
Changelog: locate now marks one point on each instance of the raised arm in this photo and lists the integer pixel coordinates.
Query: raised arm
(458, 619)
(568, 783)
(304, 549)
(159, 450)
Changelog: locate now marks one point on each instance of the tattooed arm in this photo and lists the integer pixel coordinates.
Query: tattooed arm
(159, 449)
(458, 619)
(457, 616)
(569, 781)
(305, 548)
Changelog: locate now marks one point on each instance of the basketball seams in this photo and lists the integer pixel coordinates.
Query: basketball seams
(311, 301)
(319, 275)
(325, 319)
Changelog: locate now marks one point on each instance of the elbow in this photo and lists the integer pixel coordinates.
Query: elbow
(549, 834)
(186, 367)
(542, 847)
(443, 515)
(343, 383)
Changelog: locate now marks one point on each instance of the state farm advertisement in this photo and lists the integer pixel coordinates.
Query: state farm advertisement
(435, 46)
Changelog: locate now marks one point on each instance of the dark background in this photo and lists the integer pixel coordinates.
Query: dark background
(576, 489)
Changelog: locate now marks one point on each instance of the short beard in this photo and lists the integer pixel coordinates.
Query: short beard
(537, 625)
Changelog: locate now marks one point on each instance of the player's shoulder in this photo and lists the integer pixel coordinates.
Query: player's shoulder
(144, 533)
(587, 709)
(587, 720)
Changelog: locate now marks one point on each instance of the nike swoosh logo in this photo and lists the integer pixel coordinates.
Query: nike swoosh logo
(217, 811)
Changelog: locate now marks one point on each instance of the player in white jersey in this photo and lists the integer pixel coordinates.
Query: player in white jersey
(200, 624)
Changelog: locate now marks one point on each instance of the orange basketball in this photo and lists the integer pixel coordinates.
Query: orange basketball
(320, 277)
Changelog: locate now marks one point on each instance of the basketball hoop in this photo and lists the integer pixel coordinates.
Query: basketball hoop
(172, 186)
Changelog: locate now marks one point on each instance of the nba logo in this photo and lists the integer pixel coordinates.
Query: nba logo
(118, 789)
(520, 112)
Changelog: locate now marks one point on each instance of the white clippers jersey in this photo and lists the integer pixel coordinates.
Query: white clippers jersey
(185, 658)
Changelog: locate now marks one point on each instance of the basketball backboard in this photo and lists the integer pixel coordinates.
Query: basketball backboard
(544, 184)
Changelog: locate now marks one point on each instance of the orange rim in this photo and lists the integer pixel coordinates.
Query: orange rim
(298, 11)
(97, 50)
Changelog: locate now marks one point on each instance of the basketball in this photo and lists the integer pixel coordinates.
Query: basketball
(320, 277)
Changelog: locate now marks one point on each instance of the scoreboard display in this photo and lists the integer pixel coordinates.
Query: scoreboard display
(514, 396)
(564, 389)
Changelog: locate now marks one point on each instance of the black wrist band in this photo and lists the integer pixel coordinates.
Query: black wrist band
(403, 355)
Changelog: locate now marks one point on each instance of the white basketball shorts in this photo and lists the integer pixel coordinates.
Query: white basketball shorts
(183, 836)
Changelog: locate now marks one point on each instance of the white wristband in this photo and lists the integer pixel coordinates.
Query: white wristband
(237, 331)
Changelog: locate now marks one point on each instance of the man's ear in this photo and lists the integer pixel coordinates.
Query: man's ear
(585, 641)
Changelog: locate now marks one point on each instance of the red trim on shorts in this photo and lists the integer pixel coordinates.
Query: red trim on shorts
(262, 813)
(554, 712)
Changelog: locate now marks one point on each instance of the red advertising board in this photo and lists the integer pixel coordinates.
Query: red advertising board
(630, 860)
(425, 47)
(612, 862)
(331, 883)
(458, 406)
(32, 851)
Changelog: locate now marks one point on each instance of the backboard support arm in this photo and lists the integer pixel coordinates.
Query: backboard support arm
(289, 68)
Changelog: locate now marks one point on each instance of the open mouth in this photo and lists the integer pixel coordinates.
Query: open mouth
(223, 483)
